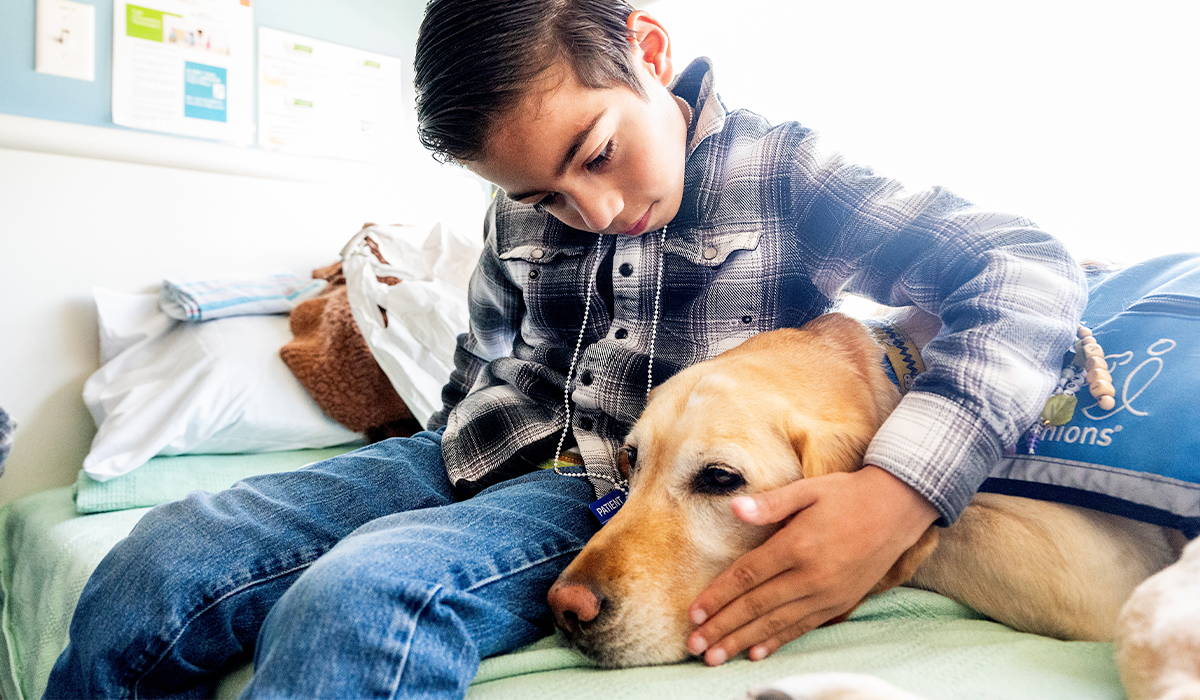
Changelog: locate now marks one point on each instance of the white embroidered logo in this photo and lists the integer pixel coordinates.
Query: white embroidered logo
(1136, 382)
(1156, 349)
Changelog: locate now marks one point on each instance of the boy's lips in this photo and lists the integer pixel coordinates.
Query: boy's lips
(640, 226)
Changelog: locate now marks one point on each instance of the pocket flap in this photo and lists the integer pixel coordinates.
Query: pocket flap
(713, 247)
(539, 253)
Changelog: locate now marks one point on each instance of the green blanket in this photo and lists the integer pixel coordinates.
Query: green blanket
(918, 640)
(48, 553)
(164, 479)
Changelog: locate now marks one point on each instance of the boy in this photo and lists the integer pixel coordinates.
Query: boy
(643, 228)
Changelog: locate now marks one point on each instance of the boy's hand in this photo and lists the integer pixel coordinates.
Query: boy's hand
(846, 531)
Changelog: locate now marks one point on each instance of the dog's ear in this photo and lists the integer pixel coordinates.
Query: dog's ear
(825, 452)
(856, 341)
(846, 334)
(837, 440)
(834, 322)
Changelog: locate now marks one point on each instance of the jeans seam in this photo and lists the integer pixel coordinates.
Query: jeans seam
(202, 611)
(529, 565)
(413, 633)
(438, 588)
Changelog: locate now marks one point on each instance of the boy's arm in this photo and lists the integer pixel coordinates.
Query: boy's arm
(1009, 297)
(1008, 294)
(496, 308)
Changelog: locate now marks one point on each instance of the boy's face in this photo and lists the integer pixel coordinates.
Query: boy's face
(601, 160)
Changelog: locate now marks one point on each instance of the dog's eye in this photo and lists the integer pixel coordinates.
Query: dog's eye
(715, 479)
(627, 460)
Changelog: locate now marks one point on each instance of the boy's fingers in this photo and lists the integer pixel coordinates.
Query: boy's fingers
(762, 650)
(775, 505)
(782, 592)
(747, 573)
(771, 631)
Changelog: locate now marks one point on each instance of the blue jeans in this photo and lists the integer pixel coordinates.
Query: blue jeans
(359, 576)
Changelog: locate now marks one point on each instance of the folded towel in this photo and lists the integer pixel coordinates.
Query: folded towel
(7, 426)
(204, 300)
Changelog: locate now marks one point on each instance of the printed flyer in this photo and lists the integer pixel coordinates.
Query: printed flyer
(185, 67)
(317, 98)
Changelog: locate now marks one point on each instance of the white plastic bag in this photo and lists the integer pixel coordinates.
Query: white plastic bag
(426, 311)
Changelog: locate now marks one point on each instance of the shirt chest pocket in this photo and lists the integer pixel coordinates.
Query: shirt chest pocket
(714, 248)
(534, 266)
(729, 278)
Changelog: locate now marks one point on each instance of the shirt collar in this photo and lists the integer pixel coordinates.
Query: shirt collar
(696, 86)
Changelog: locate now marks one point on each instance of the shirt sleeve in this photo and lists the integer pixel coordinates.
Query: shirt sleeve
(496, 309)
(1008, 294)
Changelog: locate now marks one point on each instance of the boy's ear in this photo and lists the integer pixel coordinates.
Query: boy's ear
(651, 45)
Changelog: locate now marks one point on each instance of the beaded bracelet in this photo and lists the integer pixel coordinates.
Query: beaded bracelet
(1089, 366)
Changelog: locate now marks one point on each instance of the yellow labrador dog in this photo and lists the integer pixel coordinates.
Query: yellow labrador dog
(792, 404)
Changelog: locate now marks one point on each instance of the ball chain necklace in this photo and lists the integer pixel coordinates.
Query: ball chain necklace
(1089, 366)
(623, 484)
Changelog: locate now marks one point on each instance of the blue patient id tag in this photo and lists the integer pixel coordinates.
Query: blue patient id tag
(608, 506)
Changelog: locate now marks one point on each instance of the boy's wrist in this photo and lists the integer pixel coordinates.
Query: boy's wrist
(908, 508)
(939, 447)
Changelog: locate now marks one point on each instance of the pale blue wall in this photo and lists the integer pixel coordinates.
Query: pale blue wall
(384, 26)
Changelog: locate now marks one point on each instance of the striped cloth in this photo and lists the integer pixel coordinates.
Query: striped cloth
(7, 426)
(204, 300)
(902, 360)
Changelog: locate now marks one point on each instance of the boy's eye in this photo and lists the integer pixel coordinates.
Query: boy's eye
(601, 160)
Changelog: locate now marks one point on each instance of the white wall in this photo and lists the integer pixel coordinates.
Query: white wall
(1079, 114)
(70, 223)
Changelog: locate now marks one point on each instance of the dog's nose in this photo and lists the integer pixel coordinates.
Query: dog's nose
(574, 605)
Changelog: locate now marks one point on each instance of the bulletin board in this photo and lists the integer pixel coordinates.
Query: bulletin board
(386, 27)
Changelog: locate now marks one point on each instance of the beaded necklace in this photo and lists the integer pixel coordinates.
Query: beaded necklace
(623, 484)
(1089, 366)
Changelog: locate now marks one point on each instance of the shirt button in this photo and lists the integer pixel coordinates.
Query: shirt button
(586, 423)
(586, 377)
(621, 334)
(625, 269)
(533, 274)
(747, 319)
(538, 253)
(710, 253)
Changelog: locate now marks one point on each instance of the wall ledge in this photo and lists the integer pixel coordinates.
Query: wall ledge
(145, 148)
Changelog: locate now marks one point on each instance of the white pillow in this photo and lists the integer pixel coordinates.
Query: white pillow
(168, 388)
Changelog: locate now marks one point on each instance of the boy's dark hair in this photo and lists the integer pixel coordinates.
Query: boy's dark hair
(476, 59)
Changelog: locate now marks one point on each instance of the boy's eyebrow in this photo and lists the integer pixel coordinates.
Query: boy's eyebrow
(569, 156)
(577, 143)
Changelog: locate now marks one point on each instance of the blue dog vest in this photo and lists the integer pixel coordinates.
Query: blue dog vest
(1141, 459)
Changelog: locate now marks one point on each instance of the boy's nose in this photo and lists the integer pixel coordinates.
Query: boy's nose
(598, 210)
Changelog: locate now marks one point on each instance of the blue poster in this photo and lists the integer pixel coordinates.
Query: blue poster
(203, 92)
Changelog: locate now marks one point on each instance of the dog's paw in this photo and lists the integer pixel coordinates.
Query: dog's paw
(1158, 633)
(829, 686)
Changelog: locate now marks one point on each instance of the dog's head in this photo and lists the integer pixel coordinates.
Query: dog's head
(784, 405)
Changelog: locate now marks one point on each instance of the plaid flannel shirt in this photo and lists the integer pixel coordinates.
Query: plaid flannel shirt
(769, 234)
(7, 426)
